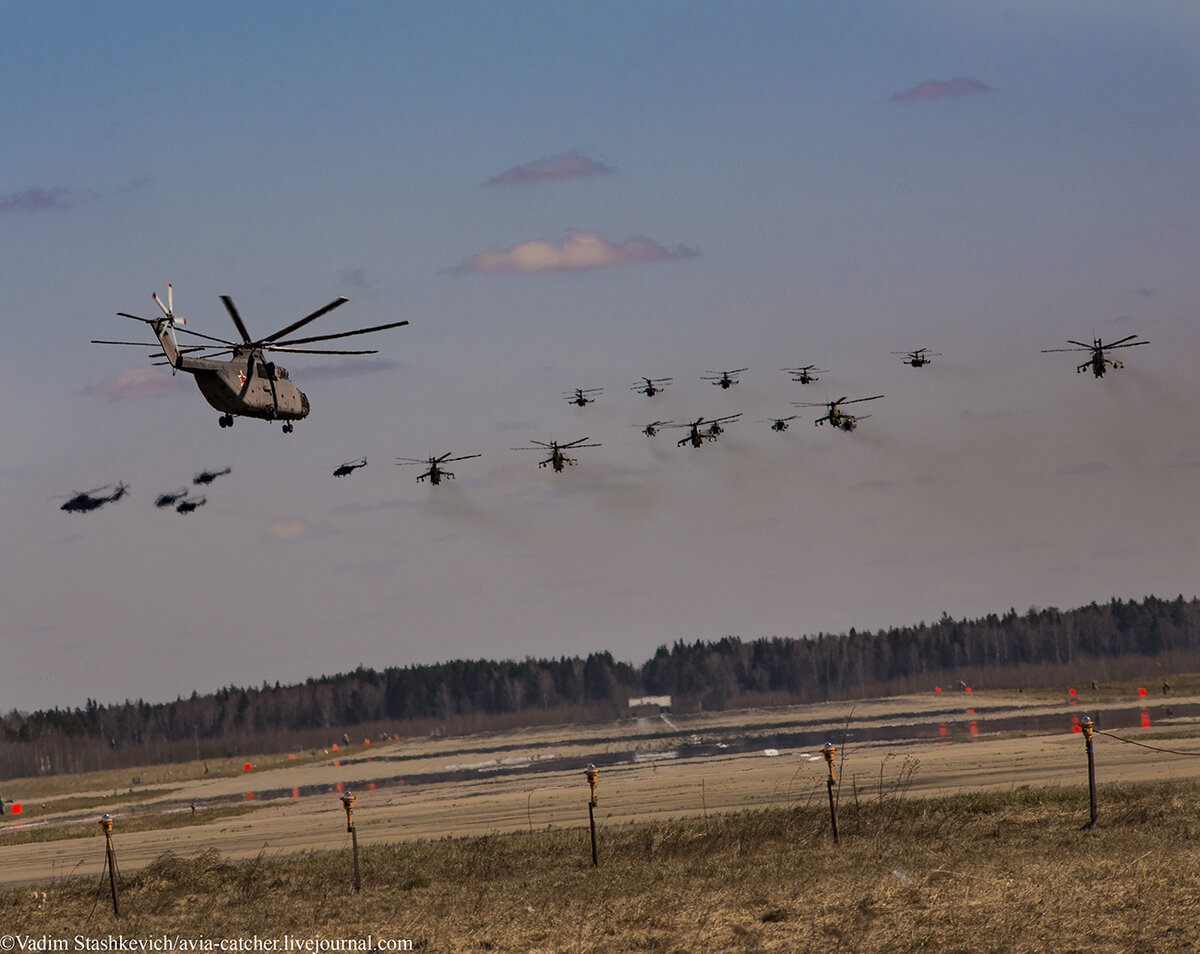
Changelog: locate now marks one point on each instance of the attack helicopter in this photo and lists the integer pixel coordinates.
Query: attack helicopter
(89, 500)
(435, 472)
(651, 429)
(580, 396)
(247, 384)
(1096, 360)
(208, 476)
(557, 459)
(836, 416)
(723, 379)
(805, 375)
(189, 504)
(171, 499)
(919, 358)
(651, 386)
(779, 423)
(697, 437)
(349, 467)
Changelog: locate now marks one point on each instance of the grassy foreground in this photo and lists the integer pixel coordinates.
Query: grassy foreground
(974, 873)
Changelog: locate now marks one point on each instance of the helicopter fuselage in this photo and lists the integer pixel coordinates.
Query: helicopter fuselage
(248, 386)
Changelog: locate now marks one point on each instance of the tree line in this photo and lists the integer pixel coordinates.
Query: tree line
(1114, 640)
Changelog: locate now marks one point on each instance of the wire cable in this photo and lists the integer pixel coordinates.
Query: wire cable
(1155, 748)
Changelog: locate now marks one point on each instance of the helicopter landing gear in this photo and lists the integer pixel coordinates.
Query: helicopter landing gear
(287, 428)
(225, 420)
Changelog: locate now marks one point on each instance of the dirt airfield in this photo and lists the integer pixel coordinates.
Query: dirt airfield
(651, 767)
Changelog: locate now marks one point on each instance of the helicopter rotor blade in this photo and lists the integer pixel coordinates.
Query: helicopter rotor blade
(237, 319)
(860, 400)
(341, 334)
(337, 302)
(140, 344)
(197, 334)
(319, 350)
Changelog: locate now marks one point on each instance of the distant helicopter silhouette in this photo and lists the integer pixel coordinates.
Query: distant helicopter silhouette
(1096, 360)
(652, 428)
(779, 423)
(435, 472)
(697, 437)
(920, 357)
(89, 500)
(580, 396)
(805, 375)
(651, 386)
(171, 499)
(723, 379)
(208, 476)
(557, 459)
(349, 467)
(838, 418)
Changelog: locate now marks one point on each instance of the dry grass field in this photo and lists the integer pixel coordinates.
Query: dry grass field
(970, 873)
(709, 839)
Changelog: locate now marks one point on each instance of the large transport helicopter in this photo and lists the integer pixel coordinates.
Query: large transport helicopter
(1096, 360)
(697, 437)
(435, 472)
(247, 384)
(838, 418)
(557, 459)
(89, 500)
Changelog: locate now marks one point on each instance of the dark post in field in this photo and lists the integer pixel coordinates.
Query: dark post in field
(591, 773)
(1087, 726)
(829, 752)
(348, 804)
(110, 860)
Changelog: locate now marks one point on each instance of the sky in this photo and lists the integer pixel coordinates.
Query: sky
(577, 195)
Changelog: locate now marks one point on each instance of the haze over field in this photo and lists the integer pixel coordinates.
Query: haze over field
(564, 196)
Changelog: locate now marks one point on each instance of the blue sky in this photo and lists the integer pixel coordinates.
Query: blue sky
(577, 195)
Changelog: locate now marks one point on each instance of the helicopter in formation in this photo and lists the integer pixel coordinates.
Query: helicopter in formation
(779, 424)
(208, 476)
(557, 459)
(651, 429)
(580, 396)
(247, 384)
(171, 499)
(723, 379)
(435, 472)
(651, 386)
(836, 416)
(805, 375)
(1096, 360)
(918, 358)
(189, 504)
(349, 467)
(89, 500)
(697, 437)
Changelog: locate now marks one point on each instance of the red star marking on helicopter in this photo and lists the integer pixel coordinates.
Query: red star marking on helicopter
(241, 377)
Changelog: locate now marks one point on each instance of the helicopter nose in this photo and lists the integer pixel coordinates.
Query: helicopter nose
(303, 404)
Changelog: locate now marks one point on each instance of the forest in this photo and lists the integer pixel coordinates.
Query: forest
(1042, 647)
